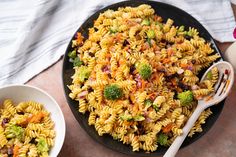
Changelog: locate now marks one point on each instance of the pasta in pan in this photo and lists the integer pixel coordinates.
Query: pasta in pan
(137, 76)
(26, 130)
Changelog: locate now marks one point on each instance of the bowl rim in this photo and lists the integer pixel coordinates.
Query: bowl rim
(212, 41)
(63, 129)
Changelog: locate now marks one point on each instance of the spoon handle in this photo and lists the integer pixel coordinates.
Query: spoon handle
(173, 149)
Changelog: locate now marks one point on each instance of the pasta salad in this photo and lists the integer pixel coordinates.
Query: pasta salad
(26, 130)
(136, 76)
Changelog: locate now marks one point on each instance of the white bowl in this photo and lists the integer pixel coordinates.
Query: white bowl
(20, 93)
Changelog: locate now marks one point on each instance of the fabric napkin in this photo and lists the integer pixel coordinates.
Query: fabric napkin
(34, 33)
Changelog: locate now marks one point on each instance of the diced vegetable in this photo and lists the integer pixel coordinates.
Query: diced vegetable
(155, 107)
(139, 118)
(162, 139)
(113, 30)
(16, 151)
(185, 97)
(209, 75)
(37, 117)
(72, 54)
(145, 71)
(151, 34)
(127, 117)
(149, 42)
(145, 22)
(77, 62)
(113, 92)
(14, 131)
(148, 102)
(83, 73)
(181, 29)
(42, 145)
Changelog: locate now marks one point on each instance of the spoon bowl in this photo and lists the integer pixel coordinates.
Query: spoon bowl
(221, 90)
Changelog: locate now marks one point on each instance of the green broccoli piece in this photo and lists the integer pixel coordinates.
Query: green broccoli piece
(139, 118)
(145, 22)
(83, 73)
(162, 139)
(155, 107)
(113, 92)
(113, 30)
(209, 75)
(77, 62)
(42, 145)
(72, 54)
(14, 131)
(145, 71)
(189, 33)
(149, 42)
(181, 29)
(148, 102)
(151, 34)
(127, 117)
(185, 97)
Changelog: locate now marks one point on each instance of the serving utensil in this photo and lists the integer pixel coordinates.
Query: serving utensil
(222, 88)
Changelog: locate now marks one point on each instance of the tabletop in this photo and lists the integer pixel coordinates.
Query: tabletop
(218, 142)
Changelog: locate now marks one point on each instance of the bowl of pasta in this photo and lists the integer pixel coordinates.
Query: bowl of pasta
(131, 76)
(32, 123)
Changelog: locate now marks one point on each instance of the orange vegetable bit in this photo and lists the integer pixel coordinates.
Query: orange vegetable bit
(122, 62)
(174, 82)
(166, 60)
(143, 85)
(132, 97)
(119, 37)
(79, 38)
(37, 117)
(152, 96)
(108, 55)
(167, 128)
(170, 52)
(16, 151)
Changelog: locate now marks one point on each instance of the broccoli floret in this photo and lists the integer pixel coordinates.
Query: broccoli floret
(127, 117)
(113, 92)
(162, 139)
(83, 73)
(72, 54)
(145, 22)
(145, 71)
(77, 62)
(14, 131)
(151, 34)
(185, 97)
(148, 102)
(42, 145)
(139, 118)
(209, 75)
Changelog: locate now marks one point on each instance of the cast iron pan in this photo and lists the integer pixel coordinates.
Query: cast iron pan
(166, 11)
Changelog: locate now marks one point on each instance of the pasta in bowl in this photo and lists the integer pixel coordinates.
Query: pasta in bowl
(31, 122)
(136, 76)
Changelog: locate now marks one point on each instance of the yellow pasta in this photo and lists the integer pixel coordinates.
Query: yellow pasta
(25, 128)
(136, 75)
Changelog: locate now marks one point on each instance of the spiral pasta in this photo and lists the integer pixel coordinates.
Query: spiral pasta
(132, 75)
(25, 128)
